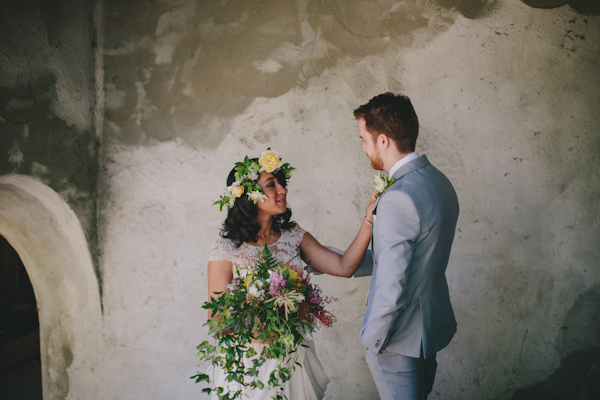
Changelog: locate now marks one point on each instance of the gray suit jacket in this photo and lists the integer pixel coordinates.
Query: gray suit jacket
(408, 308)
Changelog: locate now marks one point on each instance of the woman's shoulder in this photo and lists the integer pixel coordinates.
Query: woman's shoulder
(222, 242)
(295, 233)
(222, 249)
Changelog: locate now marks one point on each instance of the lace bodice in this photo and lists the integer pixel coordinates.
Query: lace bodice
(286, 250)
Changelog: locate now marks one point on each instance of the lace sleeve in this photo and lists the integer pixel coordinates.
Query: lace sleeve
(297, 233)
(221, 250)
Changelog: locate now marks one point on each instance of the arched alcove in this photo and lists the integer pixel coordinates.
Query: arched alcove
(51, 243)
(20, 368)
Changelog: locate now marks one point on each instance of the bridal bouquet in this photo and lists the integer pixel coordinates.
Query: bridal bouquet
(271, 302)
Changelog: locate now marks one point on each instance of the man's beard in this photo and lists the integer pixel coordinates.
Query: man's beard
(376, 162)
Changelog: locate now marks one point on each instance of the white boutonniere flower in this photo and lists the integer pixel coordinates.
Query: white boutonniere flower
(381, 183)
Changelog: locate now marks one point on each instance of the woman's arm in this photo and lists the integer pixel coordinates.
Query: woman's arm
(329, 262)
(220, 273)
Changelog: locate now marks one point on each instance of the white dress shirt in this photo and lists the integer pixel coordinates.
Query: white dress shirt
(406, 159)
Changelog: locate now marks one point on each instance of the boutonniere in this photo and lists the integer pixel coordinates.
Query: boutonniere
(381, 183)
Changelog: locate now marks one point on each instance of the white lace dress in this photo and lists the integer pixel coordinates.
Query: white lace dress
(309, 381)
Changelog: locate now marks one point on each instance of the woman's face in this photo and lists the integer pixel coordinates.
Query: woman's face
(276, 203)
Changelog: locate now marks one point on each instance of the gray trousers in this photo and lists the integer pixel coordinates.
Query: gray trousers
(401, 378)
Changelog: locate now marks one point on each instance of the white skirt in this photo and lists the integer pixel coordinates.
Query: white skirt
(308, 382)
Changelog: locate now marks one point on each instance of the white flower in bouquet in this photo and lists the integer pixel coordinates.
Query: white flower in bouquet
(255, 292)
(241, 273)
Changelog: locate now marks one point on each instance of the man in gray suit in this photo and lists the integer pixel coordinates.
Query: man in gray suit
(409, 317)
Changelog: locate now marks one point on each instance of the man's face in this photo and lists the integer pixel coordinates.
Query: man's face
(369, 146)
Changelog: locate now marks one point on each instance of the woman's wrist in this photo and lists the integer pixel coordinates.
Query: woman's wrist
(368, 222)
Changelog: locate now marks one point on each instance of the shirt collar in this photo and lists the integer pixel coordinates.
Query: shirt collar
(404, 160)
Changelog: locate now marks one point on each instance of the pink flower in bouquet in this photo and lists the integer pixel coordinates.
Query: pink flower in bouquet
(234, 285)
(277, 282)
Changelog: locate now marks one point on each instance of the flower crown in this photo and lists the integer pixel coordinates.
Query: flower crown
(246, 177)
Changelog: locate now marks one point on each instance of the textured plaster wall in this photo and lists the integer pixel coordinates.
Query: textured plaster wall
(48, 163)
(507, 94)
(47, 99)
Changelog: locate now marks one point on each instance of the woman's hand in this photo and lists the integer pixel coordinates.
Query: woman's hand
(371, 207)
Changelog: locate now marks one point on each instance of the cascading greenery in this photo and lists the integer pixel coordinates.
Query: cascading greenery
(271, 303)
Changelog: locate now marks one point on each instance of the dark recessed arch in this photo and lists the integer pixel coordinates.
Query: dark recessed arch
(50, 241)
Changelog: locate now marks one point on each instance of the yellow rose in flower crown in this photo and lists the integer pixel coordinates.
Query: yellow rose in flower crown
(269, 160)
(236, 190)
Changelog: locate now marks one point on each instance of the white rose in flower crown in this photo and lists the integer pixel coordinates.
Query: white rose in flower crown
(269, 160)
(236, 190)
(252, 175)
(257, 196)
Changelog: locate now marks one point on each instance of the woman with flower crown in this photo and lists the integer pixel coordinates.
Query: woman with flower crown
(257, 216)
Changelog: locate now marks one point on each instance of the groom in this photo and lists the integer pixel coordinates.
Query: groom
(409, 317)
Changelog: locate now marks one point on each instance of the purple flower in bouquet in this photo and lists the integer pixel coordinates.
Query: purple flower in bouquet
(315, 298)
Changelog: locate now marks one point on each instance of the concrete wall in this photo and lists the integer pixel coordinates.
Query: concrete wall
(507, 94)
(47, 99)
(48, 163)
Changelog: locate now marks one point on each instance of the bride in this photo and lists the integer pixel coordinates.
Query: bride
(258, 215)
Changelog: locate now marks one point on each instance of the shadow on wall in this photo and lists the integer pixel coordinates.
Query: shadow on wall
(578, 376)
(585, 7)
(206, 62)
(170, 70)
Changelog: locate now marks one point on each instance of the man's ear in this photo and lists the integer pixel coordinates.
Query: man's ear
(384, 140)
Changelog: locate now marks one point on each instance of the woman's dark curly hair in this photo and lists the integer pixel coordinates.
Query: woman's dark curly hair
(240, 225)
